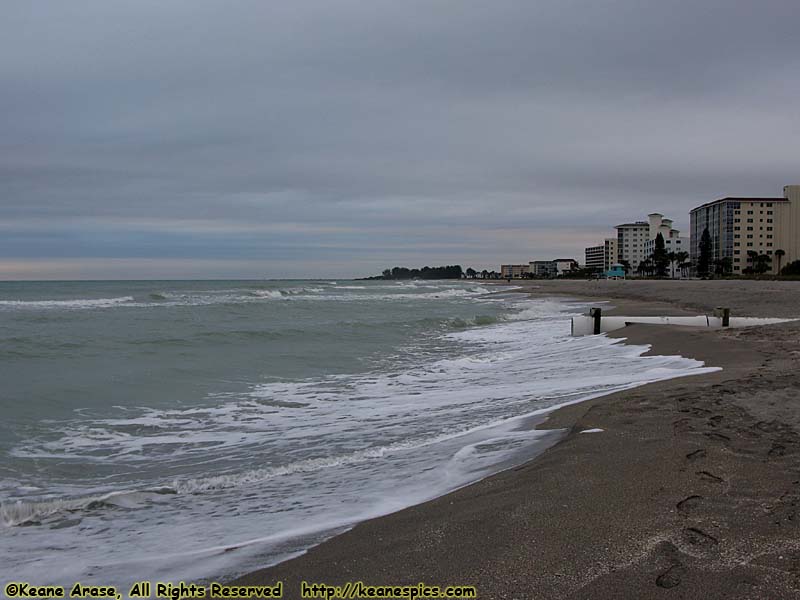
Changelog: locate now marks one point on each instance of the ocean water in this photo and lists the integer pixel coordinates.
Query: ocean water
(198, 430)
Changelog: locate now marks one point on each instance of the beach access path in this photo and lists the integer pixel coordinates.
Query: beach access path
(691, 489)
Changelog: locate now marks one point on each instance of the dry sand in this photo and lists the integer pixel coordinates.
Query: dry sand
(691, 490)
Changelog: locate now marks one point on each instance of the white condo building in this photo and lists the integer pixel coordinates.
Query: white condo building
(631, 238)
(636, 241)
(673, 242)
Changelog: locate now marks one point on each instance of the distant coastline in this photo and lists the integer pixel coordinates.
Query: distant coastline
(400, 273)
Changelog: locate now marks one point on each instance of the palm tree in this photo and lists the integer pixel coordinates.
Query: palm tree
(706, 248)
(681, 257)
(471, 273)
(752, 257)
(723, 266)
(779, 254)
(484, 274)
(646, 268)
(763, 263)
(672, 257)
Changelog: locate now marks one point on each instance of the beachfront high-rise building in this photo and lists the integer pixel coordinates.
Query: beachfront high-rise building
(631, 238)
(602, 257)
(610, 257)
(595, 257)
(673, 242)
(740, 225)
(788, 230)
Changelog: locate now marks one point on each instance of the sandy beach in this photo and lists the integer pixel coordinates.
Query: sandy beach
(690, 490)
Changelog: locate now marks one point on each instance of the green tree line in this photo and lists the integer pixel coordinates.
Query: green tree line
(447, 272)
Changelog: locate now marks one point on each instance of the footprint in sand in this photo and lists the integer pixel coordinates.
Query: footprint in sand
(777, 450)
(689, 503)
(706, 476)
(696, 454)
(671, 577)
(698, 537)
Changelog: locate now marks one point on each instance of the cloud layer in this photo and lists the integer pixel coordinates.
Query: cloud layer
(333, 139)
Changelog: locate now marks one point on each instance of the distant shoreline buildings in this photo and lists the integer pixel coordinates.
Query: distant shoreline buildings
(635, 244)
(540, 269)
(747, 235)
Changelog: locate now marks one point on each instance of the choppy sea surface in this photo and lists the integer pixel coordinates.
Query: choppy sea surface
(198, 430)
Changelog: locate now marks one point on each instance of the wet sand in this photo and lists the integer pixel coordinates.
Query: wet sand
(691, 489)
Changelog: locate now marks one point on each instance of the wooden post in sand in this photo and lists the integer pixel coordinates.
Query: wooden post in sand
(724, 314)
(597, 314)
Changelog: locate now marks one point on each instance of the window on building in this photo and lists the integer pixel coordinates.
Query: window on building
(749, 243)
(769, 228)
(749, 220)
(749, 236)
(737, 228)
(769, 220)
(749, 229)
(769, 243)
(769, 236)
(769, 212)
(749, 212)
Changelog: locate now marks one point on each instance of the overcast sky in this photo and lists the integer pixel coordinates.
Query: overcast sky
(187, 138)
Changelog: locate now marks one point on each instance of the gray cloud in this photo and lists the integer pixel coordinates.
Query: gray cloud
(262, 136)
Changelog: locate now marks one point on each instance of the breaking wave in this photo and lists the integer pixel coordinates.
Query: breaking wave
(80, 303)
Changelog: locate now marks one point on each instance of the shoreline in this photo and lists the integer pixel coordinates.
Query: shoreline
(643, 507)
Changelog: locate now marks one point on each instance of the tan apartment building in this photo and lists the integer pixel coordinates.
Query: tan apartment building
(610, 253)
(788, 226)
(514, 271)
(602, 257)
(739, 225)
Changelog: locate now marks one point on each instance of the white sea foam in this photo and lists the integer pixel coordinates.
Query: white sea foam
(79, 303)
